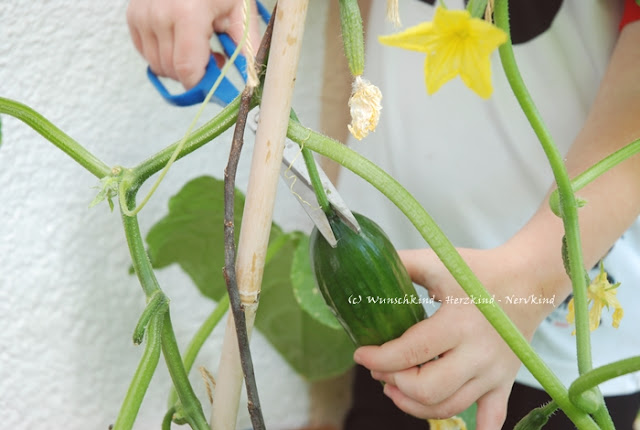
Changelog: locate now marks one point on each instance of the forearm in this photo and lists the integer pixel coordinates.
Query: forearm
(613, 200)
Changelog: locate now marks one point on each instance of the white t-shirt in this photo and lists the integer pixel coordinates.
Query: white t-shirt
(479, 170)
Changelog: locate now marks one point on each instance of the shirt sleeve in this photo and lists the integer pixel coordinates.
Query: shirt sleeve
(631, 13)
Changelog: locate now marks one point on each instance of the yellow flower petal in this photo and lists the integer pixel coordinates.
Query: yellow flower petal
(453, 423)
(600, 294)
(455, 44)
(594, 315)
(617, 316)
(418, 38)
(571, 315)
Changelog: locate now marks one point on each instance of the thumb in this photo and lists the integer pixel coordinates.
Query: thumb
(492, 409)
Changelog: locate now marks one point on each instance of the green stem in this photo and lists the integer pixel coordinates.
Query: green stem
(209, 131)
(214, 318)
(312, 168)
(593, 172)
(204, 331)
(149, 283)
(141, 379)
(447, 254)
(168, 419)
(142, 266)
(139, 257)
(318, 188)
(603, 418)
(54, 135)
(157, 303)
(568, 205)
(191, 406)
(601, 374)
(199, 339)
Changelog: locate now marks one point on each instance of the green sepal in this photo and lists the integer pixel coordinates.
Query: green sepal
(352, 35)
(108, 188)
(537, 418)
(580, 203)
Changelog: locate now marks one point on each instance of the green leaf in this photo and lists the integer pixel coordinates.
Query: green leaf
(192, 235)
(310, 347)
(305, 289)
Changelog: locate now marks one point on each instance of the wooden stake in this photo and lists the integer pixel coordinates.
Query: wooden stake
(260, 199)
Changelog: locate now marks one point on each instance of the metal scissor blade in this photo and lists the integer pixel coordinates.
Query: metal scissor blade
(294, 171)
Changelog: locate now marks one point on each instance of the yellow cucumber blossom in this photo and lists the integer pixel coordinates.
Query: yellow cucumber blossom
(453, 423)
(455, 44)
(601, 293)
(365, 107)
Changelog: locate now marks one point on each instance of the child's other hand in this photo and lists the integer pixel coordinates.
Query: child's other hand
(173, 35)
(474, 363)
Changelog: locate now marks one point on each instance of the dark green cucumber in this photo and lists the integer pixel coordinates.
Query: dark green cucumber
(364, 282)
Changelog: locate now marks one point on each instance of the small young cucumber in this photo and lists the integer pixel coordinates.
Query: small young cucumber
(364, 282)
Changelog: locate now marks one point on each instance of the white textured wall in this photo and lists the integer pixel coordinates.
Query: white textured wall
(67, 304)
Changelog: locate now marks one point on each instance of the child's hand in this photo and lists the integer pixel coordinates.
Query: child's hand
(474, 363)
(173, 35)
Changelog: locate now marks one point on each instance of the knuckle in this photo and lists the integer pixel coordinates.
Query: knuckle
(185, 70)
(426, 397)
(160, 18)
(498, 416)
(410, 357)
(186, 10)
(134, 16)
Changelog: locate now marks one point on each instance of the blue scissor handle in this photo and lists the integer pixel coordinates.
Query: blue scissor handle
(226, 91)
(223, 95)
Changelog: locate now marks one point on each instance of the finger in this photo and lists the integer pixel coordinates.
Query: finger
(162, 24)
(421, 343)
(417, 262)
(436, 380)
(492, 409)
(234, 26)
(191, 50)
(137, 39)
(134, 17)
(458, 402)
(150, 51)
(141, 29)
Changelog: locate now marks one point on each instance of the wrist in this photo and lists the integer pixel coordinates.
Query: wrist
(537, 279)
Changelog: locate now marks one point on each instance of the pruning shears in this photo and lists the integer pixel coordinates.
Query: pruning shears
(293, 170)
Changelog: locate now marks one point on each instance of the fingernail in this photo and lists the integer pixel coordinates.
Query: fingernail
(356, 356)
(386, 390)
(376, 375)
